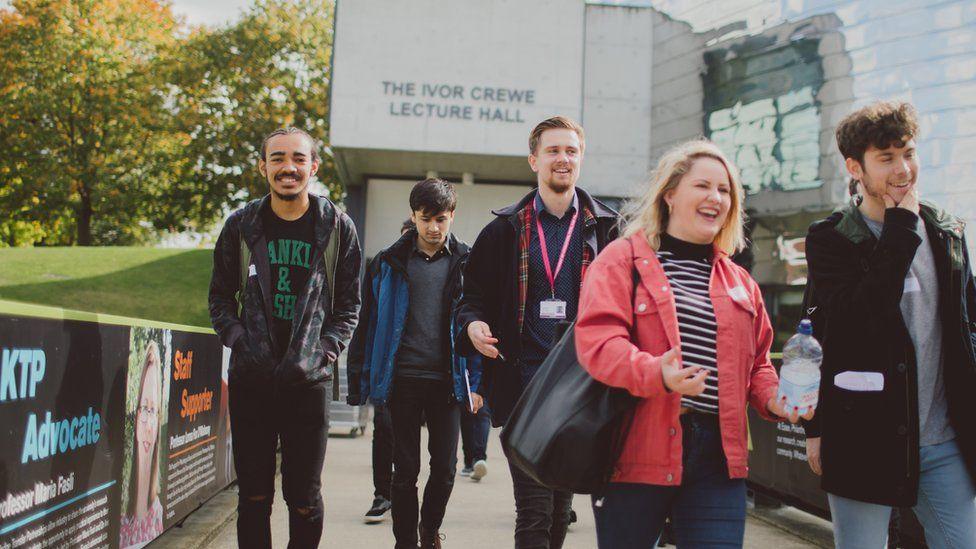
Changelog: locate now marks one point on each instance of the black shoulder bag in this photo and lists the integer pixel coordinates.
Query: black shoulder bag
(567, 429)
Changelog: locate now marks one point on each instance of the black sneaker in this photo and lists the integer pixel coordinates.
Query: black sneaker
(377, 513)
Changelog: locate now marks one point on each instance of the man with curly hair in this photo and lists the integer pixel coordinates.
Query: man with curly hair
(891, 294)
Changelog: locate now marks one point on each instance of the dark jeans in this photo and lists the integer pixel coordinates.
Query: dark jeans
(474, 434)
(412, 401)
(382, 452)
(541, 514)
(259, 417)
(707, 510)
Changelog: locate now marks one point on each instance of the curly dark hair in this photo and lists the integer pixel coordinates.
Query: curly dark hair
(882, 124)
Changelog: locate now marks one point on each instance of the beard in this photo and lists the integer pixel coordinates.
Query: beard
(558, 187)
(287, 197)
(877, 189)
(872, 188)
(294, 194)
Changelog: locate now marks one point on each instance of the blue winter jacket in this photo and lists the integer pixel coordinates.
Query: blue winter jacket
(383, 317)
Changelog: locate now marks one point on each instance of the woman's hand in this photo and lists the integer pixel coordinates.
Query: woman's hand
(813, 454)
(688, 381)
(778, 407)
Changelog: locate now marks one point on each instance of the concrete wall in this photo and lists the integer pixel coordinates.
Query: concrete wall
(465, 76)
(767, 79)
(677, 92)
(617, 91)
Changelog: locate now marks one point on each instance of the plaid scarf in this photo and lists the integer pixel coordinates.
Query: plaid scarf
(526, 217)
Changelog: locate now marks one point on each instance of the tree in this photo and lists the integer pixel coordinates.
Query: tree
(235, 85)
(117, 122)
(80, 116)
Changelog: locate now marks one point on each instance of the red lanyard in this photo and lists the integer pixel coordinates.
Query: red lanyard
(545, 253)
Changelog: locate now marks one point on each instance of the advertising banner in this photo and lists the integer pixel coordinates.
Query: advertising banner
(113, 430)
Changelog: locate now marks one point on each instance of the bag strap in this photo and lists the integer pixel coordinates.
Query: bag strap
(331, 254)
(245, 265)
(635, 280)
(331, 258)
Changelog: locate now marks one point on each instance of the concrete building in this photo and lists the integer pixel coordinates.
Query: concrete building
(454, 87)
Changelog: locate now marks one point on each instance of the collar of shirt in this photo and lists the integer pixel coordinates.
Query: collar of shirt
(443, 252)
(541, 207)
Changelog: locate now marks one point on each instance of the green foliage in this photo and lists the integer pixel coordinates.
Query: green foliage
(238, 84)
(117, 122)
(79, 110)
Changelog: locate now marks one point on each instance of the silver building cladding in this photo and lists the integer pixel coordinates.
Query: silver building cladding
(767, 80)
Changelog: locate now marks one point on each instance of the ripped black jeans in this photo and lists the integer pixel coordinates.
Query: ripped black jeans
(299, 418)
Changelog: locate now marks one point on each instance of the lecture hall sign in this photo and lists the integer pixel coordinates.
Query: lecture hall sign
(449, 101)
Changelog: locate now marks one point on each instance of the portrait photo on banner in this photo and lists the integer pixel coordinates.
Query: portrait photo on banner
(146, 408)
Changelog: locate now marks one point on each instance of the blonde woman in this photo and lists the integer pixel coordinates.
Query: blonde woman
(692, 340)
(143, 518)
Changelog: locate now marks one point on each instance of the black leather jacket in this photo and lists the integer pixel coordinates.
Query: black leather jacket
(322, 325)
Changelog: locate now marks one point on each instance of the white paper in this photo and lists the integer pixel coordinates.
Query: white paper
(252, 270)
(860, 381)
(912, 285)
(467, 385)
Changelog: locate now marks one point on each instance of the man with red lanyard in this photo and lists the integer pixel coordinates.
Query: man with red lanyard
(522, 278)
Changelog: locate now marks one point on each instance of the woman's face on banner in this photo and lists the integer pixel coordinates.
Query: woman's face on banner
(147, 424)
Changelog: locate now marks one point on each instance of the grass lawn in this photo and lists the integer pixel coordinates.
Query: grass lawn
(156, 284)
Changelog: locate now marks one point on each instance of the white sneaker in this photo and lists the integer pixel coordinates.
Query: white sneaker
(480, 470)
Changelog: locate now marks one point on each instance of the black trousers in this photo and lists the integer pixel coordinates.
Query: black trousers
(541, 514)
(299, 418)
(474, 434)
(382, 452)
(414, 400)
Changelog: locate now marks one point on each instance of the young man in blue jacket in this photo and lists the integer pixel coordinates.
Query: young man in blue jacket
(402, 356)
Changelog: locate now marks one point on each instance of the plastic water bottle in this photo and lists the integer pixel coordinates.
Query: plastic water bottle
(799, 378)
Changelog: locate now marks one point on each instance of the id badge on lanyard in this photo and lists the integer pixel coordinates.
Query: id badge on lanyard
(554, 309)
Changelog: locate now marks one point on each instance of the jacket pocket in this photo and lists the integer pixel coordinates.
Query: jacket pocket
(248, 362)
(647, 314)
(857, 435)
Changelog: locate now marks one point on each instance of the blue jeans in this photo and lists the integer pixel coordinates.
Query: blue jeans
(946, 506)
(474, 434)
(707, 510)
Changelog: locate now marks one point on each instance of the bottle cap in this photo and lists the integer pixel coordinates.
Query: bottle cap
(806, 327)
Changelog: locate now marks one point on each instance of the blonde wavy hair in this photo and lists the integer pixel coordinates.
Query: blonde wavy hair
(648, 214)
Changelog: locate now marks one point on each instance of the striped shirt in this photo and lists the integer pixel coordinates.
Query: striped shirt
(689, 268)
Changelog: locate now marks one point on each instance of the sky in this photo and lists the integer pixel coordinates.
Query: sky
(211, 12)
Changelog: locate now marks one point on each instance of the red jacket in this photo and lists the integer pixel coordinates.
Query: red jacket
(652, 451)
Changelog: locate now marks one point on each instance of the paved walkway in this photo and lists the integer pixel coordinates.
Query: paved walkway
(480, 515)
